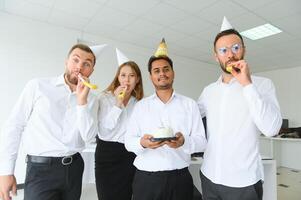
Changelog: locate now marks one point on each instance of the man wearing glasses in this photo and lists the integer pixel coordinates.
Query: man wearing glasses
(238, 107)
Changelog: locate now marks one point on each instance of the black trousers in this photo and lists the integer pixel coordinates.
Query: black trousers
(53, 180)
(163, 185)
(114, 171)
(212, 191)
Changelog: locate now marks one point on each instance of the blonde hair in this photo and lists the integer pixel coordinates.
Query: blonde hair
(138, 90)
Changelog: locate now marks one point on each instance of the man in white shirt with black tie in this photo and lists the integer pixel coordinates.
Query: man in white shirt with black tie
(238, 107)
(54, 119)
(162, 166)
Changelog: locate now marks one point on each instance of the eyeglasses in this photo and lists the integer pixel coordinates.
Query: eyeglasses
(235, 49)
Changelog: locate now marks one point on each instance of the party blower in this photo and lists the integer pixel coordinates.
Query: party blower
(89, 85)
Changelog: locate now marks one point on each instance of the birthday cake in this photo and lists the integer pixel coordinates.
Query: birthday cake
(163, 133)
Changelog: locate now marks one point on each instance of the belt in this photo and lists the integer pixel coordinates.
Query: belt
(165, 173)
(66, 160)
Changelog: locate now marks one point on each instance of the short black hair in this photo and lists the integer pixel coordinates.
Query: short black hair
(228, 32)
(154, 58)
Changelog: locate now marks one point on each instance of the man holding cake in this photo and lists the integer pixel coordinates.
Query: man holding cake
(238, 107)
(164, 130)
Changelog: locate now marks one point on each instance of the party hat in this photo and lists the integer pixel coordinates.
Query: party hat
(121, 58)
(162, 49)
(226, 25)
(97, 49)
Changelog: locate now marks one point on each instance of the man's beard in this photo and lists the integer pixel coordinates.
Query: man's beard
(71, 79)
(223, 66)
(167, 86)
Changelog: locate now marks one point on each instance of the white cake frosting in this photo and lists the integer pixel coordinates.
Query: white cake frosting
(163, 133)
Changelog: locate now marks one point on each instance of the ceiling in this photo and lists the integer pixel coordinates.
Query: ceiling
(189, 27)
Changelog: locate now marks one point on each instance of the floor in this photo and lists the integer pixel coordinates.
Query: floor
(288, 181)
(289, 184)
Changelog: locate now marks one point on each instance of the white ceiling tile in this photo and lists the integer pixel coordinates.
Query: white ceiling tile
(133, 7)
(169, 35)
(114, 17)
(216, 12)
(195, 55)
(247, 21)
(46, 3)
(275, 40)
(278, 9)
(143, 27)
(251, 5)
(165, 14)
(191, 6)
(143, 41)
(62, 18)
(253, 47)
(191, 25)
(81, 8)
(290, 24)
(208, 35)
(99, 1)
(199, 54)
(105, 30)
(193, 42)
(31, 10)
(291, 47)
(175, 49)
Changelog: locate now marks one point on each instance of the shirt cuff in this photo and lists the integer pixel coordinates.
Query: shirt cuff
(7, 168)
(187, 145)
(139, 147)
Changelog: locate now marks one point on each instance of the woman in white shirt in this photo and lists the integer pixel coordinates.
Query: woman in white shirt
(114, 169)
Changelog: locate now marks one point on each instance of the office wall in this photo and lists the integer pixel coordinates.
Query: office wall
(288, 88)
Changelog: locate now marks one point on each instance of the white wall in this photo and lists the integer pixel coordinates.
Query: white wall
(288, 88)
(30, 49)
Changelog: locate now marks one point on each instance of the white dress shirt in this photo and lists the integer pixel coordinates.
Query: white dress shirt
(49, 121)
(182, 115)
(113, 119)
(236, 116)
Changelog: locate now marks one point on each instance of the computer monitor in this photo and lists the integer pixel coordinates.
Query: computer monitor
(284, 124)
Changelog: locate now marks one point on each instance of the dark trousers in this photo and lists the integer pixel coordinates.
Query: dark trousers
(114, 171)
(48, 179)
(163, 185)
(212, 191)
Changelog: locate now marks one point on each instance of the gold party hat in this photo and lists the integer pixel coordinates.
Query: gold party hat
(162, 49)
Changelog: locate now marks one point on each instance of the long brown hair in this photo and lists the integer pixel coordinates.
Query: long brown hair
(138, 90)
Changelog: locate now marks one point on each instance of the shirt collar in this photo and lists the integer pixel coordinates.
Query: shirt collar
(60, 80)
(220, 80)
(173, 95)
